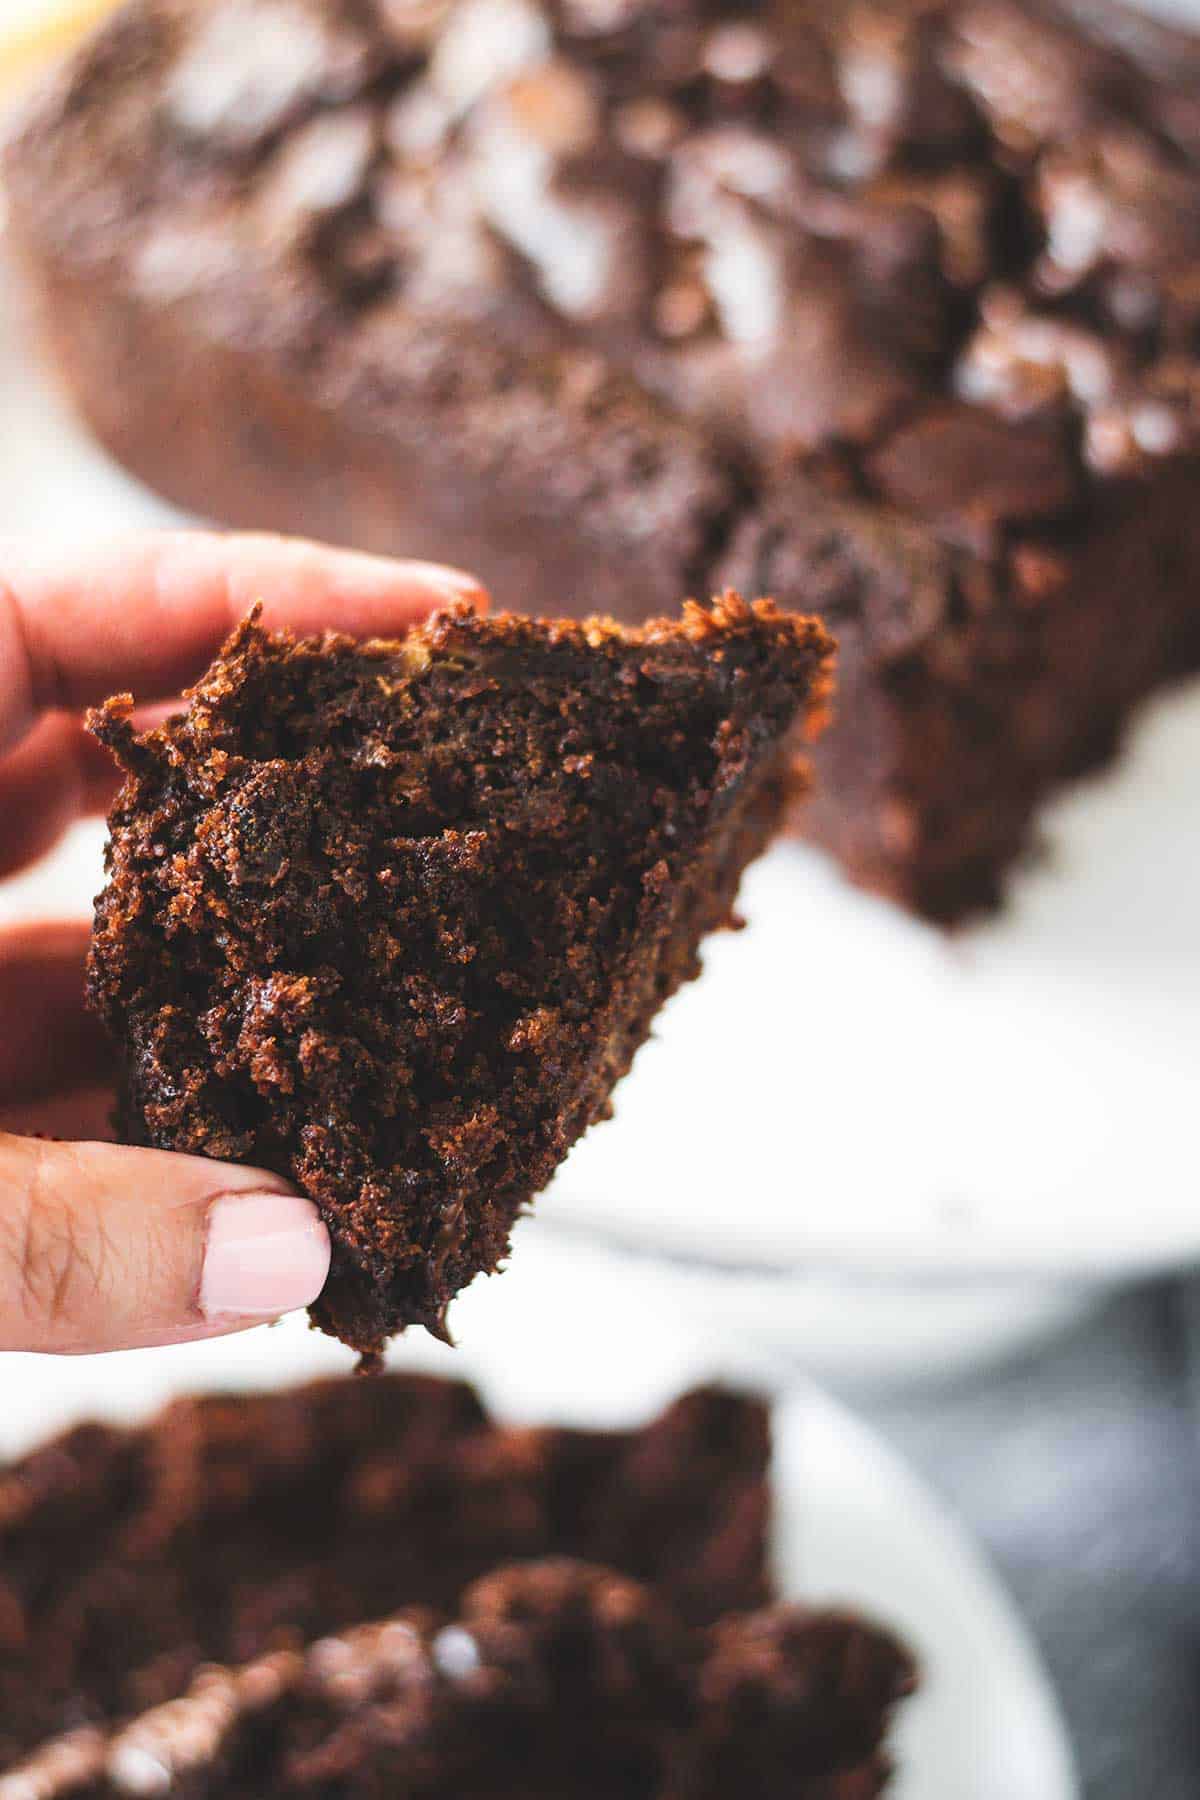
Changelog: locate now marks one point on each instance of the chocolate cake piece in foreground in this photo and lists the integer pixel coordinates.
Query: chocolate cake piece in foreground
(232, 1527)
(888, 308)
(558, 1681)
(392, 919)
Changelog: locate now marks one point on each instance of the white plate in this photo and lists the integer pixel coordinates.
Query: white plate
(555, 1338)
(846, 1086)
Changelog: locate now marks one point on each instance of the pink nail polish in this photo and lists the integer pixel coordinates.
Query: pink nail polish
(264, 1254)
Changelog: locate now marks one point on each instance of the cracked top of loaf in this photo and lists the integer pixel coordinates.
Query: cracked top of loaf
(947, 251)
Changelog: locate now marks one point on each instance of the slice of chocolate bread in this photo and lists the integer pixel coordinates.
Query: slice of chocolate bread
(392, 919)
(558, 1681)
(235, 1526)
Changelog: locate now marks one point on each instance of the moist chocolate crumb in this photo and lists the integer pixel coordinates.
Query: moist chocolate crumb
(236, 1527)
(391, 919)
(559, 1680)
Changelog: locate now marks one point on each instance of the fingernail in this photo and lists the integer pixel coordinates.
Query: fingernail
(264, 1254)
(455, 584)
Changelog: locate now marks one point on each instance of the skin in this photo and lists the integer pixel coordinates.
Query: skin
(103, 1247)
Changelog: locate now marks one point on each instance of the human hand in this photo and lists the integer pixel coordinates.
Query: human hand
(103, 1247)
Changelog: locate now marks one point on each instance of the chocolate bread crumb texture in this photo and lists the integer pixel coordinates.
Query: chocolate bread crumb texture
(558, 1679)
(391, 920)
(889, 308)
(233, 1528)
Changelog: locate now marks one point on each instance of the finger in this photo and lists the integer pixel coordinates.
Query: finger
(49, 1040)
(146, 613)
(57, 773)
(104, 1248)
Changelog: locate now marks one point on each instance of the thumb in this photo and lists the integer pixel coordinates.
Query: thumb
(104, 1248)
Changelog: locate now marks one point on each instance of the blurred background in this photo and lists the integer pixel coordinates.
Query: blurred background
(967, 1209)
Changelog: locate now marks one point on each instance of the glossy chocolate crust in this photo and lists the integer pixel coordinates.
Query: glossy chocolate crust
(889, 306)
(238, 1526)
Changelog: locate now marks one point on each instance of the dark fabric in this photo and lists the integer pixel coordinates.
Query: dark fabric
(1076, 1466)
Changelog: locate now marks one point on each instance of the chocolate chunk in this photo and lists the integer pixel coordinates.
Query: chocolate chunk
(1116, 209)
(1035, 80)
(972, 474)
(322, 170)
(1023, 364)
(249, 67)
